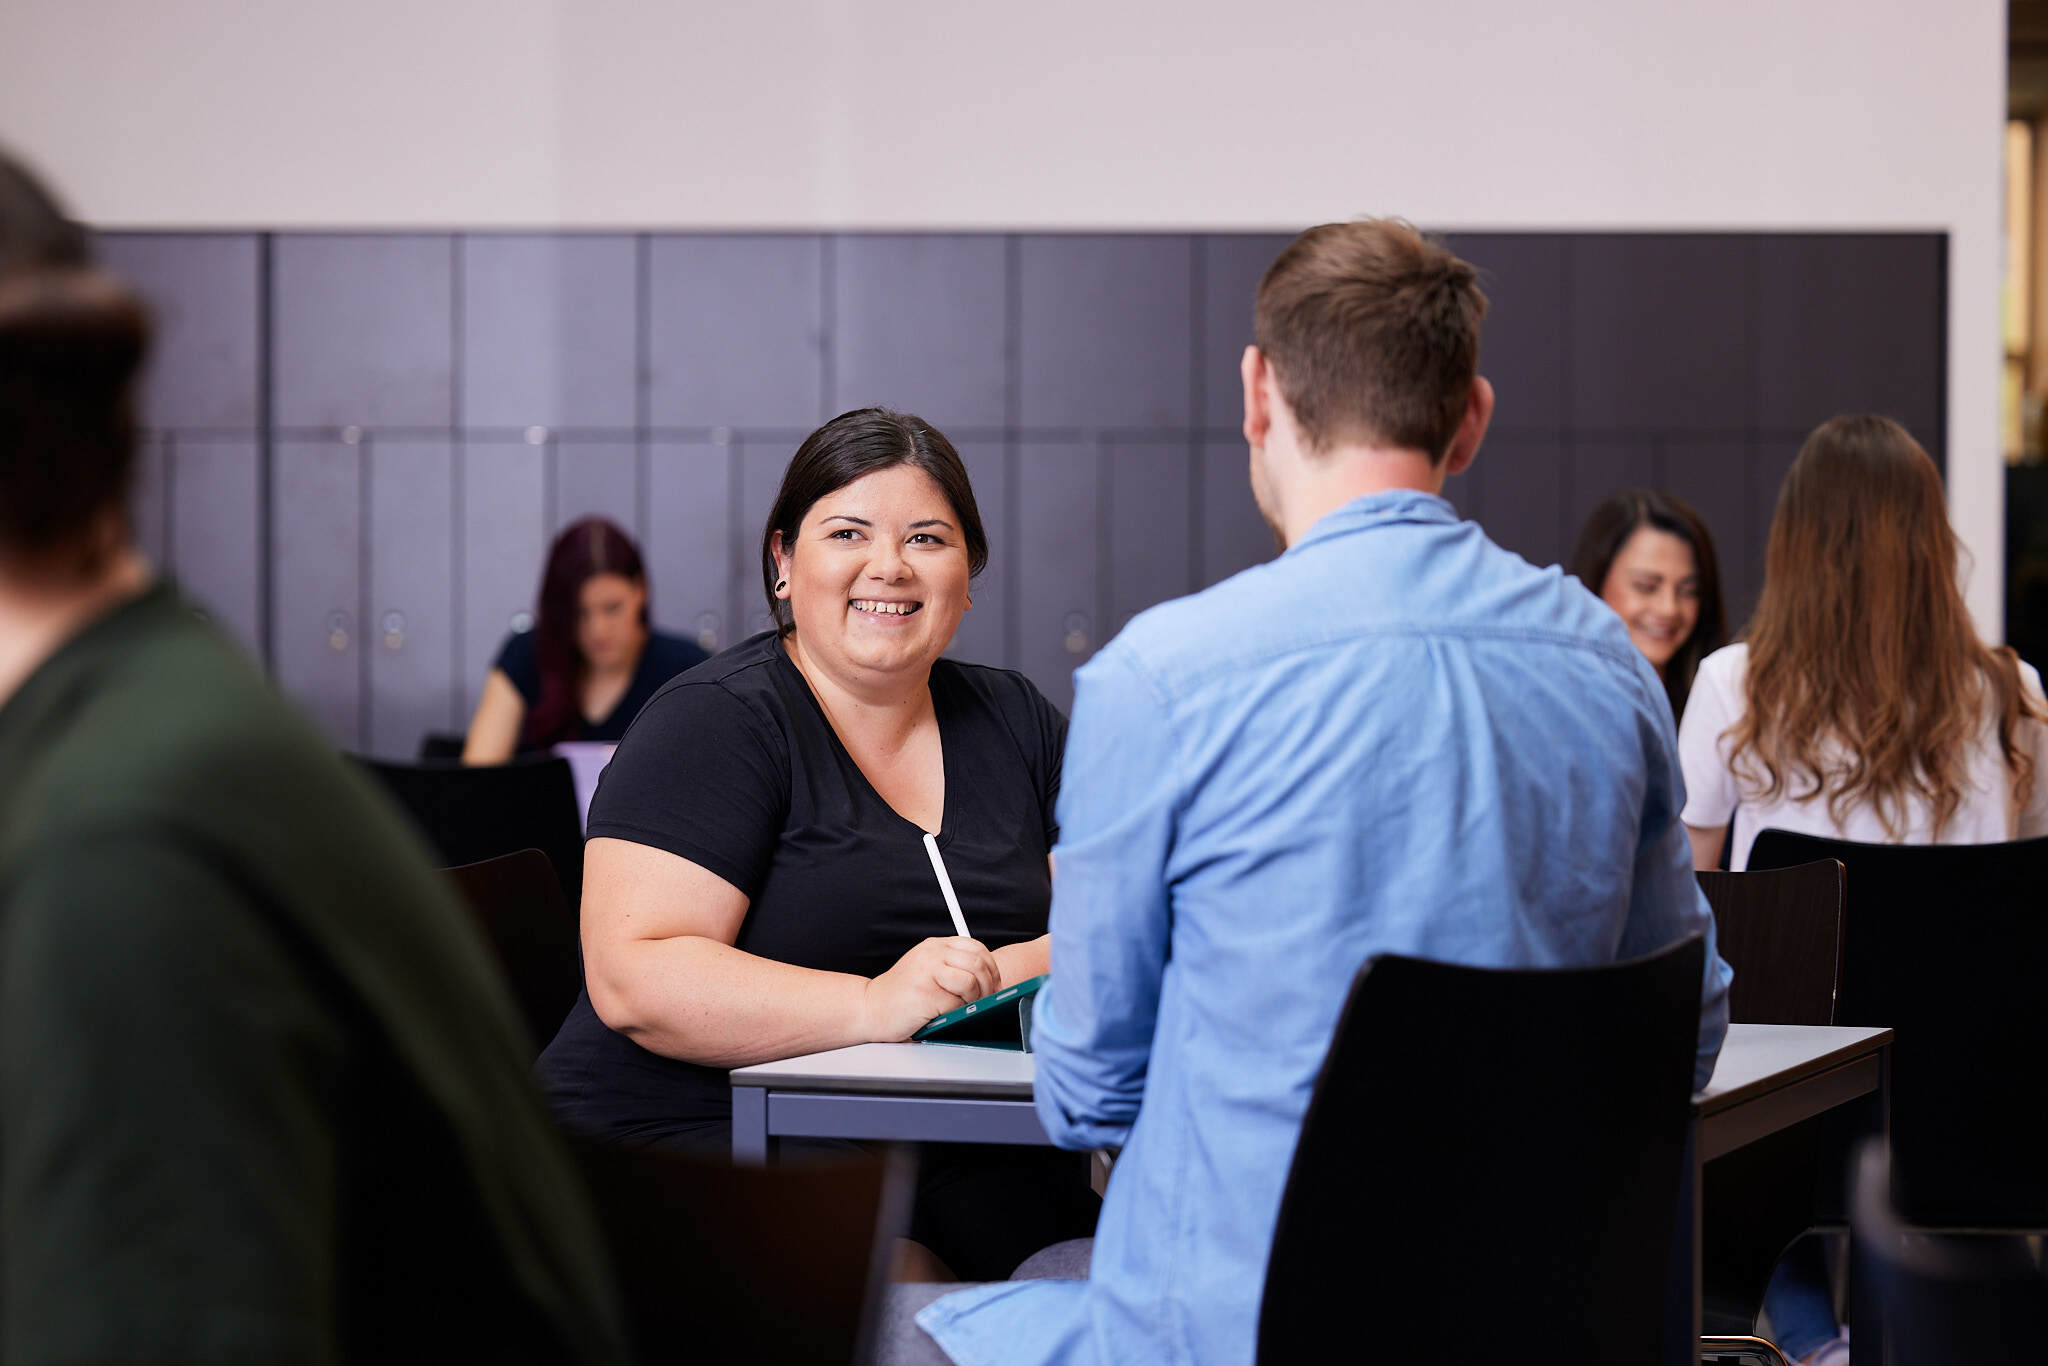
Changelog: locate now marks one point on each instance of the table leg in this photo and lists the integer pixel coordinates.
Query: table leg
(749, 1126)
(1682, 1282)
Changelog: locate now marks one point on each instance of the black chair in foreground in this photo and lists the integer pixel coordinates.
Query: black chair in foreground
(1781, 930)
(1947, 1298)
(1489, 1167)
(473, 813)
(780, 1265)
(518, 901)
(1948, 945)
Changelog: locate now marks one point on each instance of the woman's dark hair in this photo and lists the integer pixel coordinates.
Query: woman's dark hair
(72, 343)
(852, 446)
(1607, 530)
(584, 550)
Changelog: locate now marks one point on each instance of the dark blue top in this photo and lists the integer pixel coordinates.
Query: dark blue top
(664, 658)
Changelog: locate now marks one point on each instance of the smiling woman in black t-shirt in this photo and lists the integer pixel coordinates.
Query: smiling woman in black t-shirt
(756, 885)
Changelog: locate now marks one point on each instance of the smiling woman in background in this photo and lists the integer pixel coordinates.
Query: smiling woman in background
(1649, 557)
(757, 884)
(591, 661)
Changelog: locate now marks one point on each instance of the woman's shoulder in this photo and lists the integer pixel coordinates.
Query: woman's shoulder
(1724, 667)
(737, 682)
(1006, 692)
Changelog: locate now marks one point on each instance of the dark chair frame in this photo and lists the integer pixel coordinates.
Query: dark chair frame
(468, 813)
(518, 903)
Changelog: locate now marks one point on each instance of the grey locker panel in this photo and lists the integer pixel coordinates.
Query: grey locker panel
(1059, 607)
(1713, 477)
(504, 551)
(1522, 342)
(1600, 467)
(1770, 455)
(919, 324)
(1232, 264)
(1524, 496)
(149, 499)
(202, 293)
(735, 331)
(983, 637)
(597, 479)
(1234, 534)
(1105, 331)
(1850, 323)
(316, 600)
(411, 635)
(1464, 491)
(690, 549)
(1151, 518)
(763, 458)
(1659, 330)
(363, 331)
(216, 530)
(550, 330)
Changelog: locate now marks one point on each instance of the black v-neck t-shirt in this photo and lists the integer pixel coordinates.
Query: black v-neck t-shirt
(734, 767)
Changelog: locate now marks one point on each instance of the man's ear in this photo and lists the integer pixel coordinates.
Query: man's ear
(1472, 429)
(1258, 407)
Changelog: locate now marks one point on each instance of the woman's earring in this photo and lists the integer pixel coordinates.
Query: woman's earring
(781, 584)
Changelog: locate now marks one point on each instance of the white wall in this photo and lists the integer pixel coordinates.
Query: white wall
(1472, 114)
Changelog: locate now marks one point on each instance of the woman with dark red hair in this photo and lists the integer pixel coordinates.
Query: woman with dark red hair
(591, 661)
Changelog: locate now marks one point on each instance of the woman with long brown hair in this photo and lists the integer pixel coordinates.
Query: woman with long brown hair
(1860, 703)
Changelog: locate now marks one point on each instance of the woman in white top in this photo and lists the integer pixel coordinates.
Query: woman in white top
(1860, 704)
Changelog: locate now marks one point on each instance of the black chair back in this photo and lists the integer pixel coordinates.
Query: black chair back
(443, 745)
(1510, 1141)
(779, 1264)
(1948, 945)
(1781, 930)
(518, 901)
(1980, 1299)
(471, 813)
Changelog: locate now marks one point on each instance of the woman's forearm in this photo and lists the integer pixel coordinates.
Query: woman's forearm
(1020, 962)
(701, 1001)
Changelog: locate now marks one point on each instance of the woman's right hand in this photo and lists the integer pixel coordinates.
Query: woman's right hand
(936, 976)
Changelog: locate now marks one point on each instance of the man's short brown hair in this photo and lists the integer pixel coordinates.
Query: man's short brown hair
(1372, 331)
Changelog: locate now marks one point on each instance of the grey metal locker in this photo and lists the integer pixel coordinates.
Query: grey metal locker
(1658, 332)
(1523, 496)
(216, 530)
(691, 551)
(736, 331)
(362, 331)
(1522, 342)
(316, 600)
(1105, 331)
(920, 323)
(504, 533)
(1151, 520)
(550, 330)
(763, 457)
(596, 479)
(1232, 264)
(1059, 604)
(1598, 467)
(148, 499)
(410, 608)
(984, 634)
(1234, 534)
(1713, 476)
(202, 290)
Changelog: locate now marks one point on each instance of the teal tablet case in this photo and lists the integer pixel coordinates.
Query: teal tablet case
(999, 1021)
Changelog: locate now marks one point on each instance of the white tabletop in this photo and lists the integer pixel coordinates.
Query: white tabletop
(1754, 1058)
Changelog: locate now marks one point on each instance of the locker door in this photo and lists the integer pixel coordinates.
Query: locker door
(1714, 476)
(1232, 264)
(363, 331)
(597, 479)
(919, 323)
(216, 530)
(762, 459)
(984, 634)
(202, 292)
(411, 628)
(1151, 518)
(691, 550)
(1658, 331)
(504, 550)
(1524, 496)
(1234, 534)
(149, 499)
(550, 327)
(1105, 331)
(1060, 612)
(316, 607)
(736, 331)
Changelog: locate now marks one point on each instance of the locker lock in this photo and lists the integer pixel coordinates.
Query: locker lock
(522, 622)
(1077, 633)
(707, 632)
(394, 631)
(338, 632)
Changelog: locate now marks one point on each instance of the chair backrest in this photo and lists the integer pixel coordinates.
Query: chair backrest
(519, 903)
(1509, 1141)
(779, 1264)
(1781, 930)
(470, 813)
(1981, 1299)
(1948, 945)
(443, 745)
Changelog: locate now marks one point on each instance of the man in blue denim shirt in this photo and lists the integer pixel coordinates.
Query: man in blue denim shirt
(1395, 738)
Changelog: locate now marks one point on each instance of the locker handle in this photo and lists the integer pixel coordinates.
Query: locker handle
(394, 631)
(338, 633)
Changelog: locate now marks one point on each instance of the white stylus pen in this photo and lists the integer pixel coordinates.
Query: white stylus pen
(931, 846)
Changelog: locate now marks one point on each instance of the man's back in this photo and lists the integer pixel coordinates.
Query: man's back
(1396, 738)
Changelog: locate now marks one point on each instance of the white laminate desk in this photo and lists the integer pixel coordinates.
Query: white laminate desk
(1768, 1078)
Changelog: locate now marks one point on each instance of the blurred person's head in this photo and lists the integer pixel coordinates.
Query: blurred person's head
(1649, 557)
(1866, 680)
(72, 343)
(872, 545)
(1366, 341)
(593, 617)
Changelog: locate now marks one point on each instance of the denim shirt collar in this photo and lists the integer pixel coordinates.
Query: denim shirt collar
(1379, 509)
